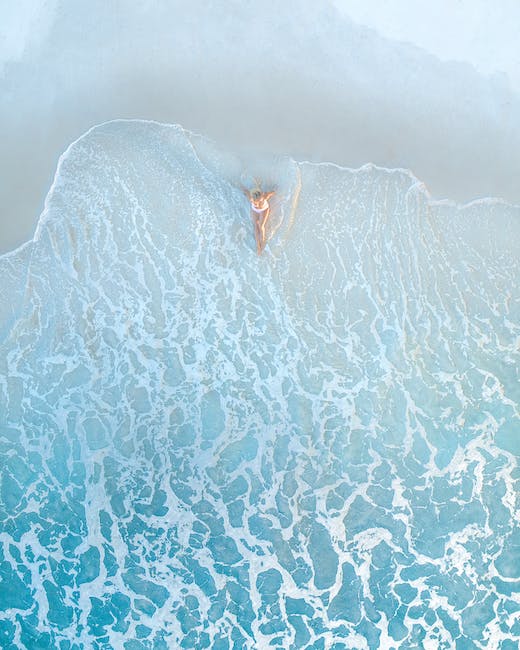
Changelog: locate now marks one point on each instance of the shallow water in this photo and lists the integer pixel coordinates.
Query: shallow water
(315, 448)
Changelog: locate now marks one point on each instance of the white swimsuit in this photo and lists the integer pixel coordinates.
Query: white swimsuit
(259, 210)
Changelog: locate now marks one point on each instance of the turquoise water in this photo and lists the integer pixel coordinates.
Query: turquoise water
(202, 448)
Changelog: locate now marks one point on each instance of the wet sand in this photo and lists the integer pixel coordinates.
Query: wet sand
(315, 86)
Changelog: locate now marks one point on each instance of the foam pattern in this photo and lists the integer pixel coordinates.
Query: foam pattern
(205, 448)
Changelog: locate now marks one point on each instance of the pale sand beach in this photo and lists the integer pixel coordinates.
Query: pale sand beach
(313, 85)
(284, 422)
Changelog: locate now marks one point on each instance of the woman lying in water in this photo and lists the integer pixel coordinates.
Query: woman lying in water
(260, 211)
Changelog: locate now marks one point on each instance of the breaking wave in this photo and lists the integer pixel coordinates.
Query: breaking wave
(206, 448)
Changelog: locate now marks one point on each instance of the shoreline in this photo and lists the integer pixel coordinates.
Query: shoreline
(419, 184)
(346, 94)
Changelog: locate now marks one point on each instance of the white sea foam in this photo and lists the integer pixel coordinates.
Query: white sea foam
(316, 445)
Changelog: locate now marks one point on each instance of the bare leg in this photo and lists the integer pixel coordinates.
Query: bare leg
(254, 219)
(261, 228)
(258, 237)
